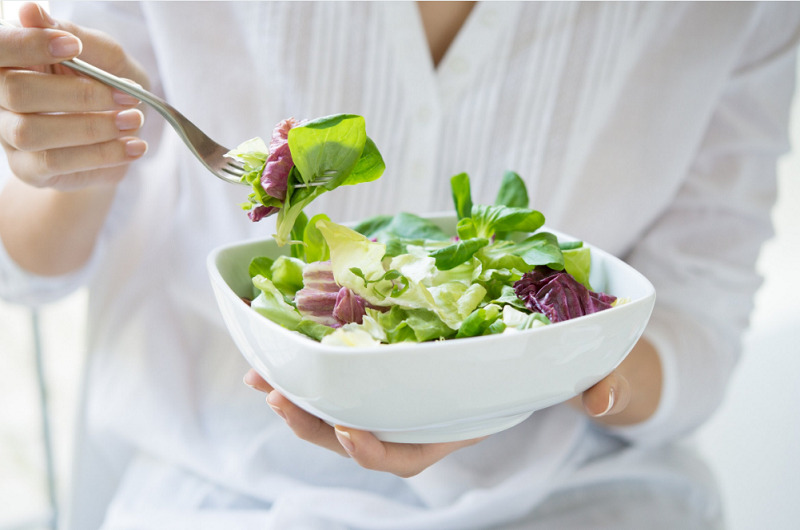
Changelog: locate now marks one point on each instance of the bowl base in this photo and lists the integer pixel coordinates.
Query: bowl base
(454, 432)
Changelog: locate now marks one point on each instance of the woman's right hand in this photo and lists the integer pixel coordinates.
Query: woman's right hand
(60, 129)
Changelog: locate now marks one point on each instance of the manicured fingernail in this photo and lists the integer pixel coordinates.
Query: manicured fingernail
(277, 410)
(250, 379)
(124, 100)
(46, 16)
(130, 119)
(64, 46)
(135, 148)
(345, 439)
(610, 403)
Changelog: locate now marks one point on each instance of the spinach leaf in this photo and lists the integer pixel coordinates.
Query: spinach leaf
(462, 195)
(454, 255)
(373, 226)
(539, 249)
(328, 148)
(370, 165)
(512, 192)
(491, 219)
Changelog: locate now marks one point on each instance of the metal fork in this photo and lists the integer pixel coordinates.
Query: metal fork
(209, 152)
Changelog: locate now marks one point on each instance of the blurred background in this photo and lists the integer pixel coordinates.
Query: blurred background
(751, 443)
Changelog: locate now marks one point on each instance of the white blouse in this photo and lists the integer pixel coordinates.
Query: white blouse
(650, 130)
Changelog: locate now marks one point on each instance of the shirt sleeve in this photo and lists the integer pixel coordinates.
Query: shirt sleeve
(701, 255)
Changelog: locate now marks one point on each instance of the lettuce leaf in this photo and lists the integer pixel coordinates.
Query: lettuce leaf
(334, 150)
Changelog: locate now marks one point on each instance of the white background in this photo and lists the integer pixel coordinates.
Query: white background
(751, 443)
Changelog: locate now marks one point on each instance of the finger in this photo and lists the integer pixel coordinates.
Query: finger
(608, 397)
(37, 132)
(38, 42)
(60, 168)
(25, 48)
(404, 460)
(27, 91)
(255, 381)
(97, 48)
(304, 425)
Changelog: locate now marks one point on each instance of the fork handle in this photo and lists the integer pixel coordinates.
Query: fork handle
(124, 85)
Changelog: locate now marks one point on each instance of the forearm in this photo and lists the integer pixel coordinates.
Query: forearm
(50, 232)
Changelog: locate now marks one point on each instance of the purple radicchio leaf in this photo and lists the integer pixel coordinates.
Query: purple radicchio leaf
(558, 295)
(324, 301)
(259, 212)
(317, 299)
(349, 306)
(275, 177)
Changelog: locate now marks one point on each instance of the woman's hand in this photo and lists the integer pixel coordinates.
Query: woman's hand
(630, 394)
(404, 460)
(68, 139)
(59, 129)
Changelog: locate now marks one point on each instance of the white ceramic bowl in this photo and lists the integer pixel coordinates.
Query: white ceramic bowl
(437, 391)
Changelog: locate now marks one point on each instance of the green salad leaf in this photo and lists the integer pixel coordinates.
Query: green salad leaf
(331, 151)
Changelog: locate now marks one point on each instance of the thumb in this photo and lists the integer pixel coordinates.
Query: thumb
(29, 47)
(33, 15)
(608, 397)
(94, 47)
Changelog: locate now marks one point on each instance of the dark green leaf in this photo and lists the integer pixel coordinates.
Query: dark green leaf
(491, 219)
(454, 255)
(539, 249)
(261, 266)
(512, 192)
(373, 226)
(328, 147)
(370, 166)
(462, 195)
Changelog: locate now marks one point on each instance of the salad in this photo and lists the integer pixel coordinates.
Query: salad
(401, 278)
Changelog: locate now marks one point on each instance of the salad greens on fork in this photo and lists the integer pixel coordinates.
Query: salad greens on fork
(401, 278)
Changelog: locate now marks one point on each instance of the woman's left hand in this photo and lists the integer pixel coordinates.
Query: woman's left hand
(628, 395)
(404, 460)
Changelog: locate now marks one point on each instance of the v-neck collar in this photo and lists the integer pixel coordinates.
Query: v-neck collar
(476, 42)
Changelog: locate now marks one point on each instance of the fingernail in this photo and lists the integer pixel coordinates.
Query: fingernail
(124, 100)
(64, 46)
(250, 379)
(135, 148)
(345, 439)
(610, 403)
(276, 409)
(46, 16)
(128, 120)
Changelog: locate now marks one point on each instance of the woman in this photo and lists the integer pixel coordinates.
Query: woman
(651, 130)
